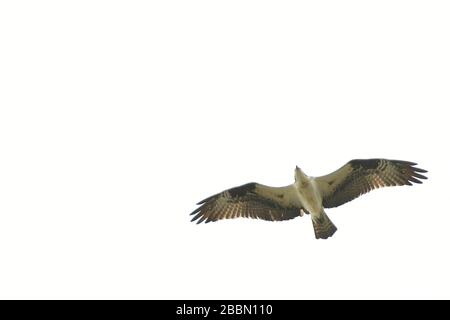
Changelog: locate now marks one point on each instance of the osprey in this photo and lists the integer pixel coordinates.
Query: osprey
(308, 195)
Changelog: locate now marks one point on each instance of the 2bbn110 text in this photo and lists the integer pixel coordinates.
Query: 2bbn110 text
(254, 309)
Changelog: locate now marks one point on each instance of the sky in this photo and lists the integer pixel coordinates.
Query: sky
(117, 117)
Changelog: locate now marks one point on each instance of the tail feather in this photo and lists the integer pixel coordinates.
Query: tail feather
(323, 227)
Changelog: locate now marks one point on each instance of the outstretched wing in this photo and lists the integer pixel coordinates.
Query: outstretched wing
(252, 200)
(361, 176)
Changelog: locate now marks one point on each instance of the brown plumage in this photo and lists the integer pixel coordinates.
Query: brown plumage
(308, 194)
(248, 201)
(358, 177)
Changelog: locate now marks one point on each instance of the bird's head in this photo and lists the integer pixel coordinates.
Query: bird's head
(300, 176)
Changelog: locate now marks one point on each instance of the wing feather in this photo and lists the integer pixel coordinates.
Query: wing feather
(251, 200)
(358, 177)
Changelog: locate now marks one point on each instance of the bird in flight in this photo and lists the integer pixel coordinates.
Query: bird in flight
(310, 195)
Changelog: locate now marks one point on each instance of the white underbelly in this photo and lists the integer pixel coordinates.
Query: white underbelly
(311, 199)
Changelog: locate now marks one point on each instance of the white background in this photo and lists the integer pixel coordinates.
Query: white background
(116, 117)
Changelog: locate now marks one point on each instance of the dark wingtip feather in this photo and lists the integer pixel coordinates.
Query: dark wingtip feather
(405, 163)
(203, 218)
(197, 216)
(205, 200)
(415, 174)
(414, 180)
(195, 211)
